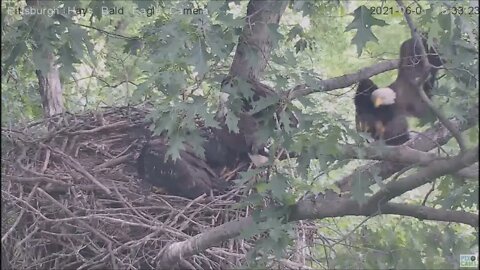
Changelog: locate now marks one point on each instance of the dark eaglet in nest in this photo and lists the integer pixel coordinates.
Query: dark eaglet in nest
(190, 176)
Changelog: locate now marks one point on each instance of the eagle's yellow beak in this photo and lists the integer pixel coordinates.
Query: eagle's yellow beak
(377, 102)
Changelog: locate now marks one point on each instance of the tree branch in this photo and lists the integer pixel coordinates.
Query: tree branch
(470, 172)
(318, 208)
(339, 207)
(322, 207)
(428, 213)
(434, 170)
(427, 66)
(200, 242)
(344, 80)
(398, 154)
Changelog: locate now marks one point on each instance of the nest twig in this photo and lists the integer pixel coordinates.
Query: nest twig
(73, 200)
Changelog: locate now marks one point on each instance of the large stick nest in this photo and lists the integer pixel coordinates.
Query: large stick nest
(71, 199)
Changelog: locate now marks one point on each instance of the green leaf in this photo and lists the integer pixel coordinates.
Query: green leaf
(214, 6)
(252, 199)
(175, 146)
(251, 54)
(363, 22)
(291, 58)
(41, 62)
(166, 122)
(281, 60)
(209, 119)
(275, 234)
(195, 140)
(445, 21)
(96, 7)
(297, 5)
(284, 119)
(144, 4)
(279, 186)
(246, 176)
(250, 231)
(133, 46)
(17, 51)
(297, 30)
(199, 59)
(301, 45)
(263, 103)
(216, 41)
(360, 187)
(232, 122)
(67, 59)
(77, 37)
(261, 187)
(275, 35)
(473, 135)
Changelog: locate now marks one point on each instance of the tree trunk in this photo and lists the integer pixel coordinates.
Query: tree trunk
(255, 38)
(255, 42)
(49, 85)
(50, 89)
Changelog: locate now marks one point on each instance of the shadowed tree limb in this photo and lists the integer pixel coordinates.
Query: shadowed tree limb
(322, 207)
(338, 207)
(310, 209)
(470, 172)
(434, 170)
(399, 154)
(344, 80)
(428, 213)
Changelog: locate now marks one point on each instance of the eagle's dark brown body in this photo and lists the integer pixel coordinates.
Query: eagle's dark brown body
(389, 122)
(188, 176)
(191, 176)
(384, 122)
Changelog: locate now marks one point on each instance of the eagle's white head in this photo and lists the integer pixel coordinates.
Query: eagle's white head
(383, 96)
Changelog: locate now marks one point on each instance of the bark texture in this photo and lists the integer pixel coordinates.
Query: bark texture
(49, 84)
(255, 42)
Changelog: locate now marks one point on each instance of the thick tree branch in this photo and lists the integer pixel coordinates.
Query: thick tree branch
(322, 207)
(399, 154)
(428, 213)
(427, 66)
(318, 208)
(433, 137)
(339, 207)
(434, 170)
(172, 253)
(344, 80)
(469, 172)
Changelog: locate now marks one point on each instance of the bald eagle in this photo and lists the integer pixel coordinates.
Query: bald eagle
(378, 114)
(188, 176)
